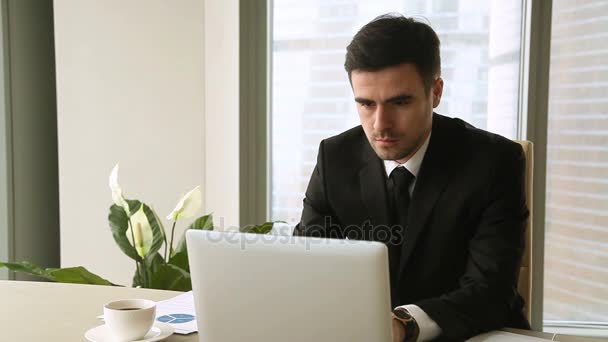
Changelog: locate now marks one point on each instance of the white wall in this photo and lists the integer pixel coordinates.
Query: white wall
(130, 89)
(222, 110)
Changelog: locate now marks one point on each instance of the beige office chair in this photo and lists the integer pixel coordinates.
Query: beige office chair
(524, 285)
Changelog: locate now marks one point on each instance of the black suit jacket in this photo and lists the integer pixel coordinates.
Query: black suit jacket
(465, 235)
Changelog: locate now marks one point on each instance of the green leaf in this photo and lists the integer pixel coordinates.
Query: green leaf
(160, 224)
(137, 279)
(133, 205)
(201, 223)
(158, 238)
(29, 268)
(78, 275)
(171, 277)
(263, 228)
(152, 263)
(180, 259)
(119, 223)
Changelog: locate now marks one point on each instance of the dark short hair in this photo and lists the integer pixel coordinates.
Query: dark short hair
(392, 39)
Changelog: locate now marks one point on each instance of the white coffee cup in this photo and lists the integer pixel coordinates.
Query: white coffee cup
(129, 319)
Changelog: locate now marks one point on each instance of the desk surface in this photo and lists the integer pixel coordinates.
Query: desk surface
(39, 311)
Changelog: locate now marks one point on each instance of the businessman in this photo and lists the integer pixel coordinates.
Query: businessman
(447, 198)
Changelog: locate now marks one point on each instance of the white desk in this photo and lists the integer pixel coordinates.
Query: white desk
(39, 311)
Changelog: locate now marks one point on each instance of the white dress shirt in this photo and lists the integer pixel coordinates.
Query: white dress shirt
(428, 327)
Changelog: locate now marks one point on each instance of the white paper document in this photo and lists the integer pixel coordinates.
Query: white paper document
(179, 312)
(503, 336)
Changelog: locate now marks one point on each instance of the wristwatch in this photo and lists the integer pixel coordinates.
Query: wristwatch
(411, 326)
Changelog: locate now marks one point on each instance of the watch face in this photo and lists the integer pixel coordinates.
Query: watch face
(402, 314)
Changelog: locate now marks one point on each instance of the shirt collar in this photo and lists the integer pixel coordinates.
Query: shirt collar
(413, 164)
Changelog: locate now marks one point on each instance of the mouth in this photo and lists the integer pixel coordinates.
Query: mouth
(386, 142)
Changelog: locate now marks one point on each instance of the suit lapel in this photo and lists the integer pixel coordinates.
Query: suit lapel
(372, 180)
(434, 174)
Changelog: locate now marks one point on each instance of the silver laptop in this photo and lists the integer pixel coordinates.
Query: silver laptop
(250, 287)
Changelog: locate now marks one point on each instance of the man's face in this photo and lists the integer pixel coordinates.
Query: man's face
(395, 111)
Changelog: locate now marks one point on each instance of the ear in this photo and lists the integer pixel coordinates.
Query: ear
(437, 91)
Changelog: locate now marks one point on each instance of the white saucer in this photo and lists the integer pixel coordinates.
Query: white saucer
(158, 332)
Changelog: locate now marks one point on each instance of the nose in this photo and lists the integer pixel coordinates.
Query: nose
(382, 119)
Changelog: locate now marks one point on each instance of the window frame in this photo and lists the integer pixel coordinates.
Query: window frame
(6, 153)
(255, 61)
(534, 98)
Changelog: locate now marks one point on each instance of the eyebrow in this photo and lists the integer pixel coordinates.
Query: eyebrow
(393, 99)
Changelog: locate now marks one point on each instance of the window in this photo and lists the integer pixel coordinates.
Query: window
(576, 233)
(480, 47)
(312, 99)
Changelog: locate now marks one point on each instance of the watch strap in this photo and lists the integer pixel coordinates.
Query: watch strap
(412, 330)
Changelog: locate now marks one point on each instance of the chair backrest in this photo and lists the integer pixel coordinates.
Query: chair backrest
(524, 285)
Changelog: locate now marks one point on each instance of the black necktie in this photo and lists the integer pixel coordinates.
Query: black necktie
(399, 196)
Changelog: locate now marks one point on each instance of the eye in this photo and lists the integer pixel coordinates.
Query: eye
(366, 104)
(402, 102)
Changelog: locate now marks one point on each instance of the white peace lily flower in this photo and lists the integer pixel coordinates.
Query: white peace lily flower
(188, 206)
(117, 191)
(139, 243)
(142, 232)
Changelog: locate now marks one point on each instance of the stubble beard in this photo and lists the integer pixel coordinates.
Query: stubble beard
(390, 153)
(397, 152)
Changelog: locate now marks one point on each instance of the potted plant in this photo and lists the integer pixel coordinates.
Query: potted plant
(139, 233)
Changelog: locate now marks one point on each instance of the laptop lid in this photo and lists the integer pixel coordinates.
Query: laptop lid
(283, 288)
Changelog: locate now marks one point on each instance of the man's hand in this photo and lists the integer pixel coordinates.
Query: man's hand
(398, 329)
